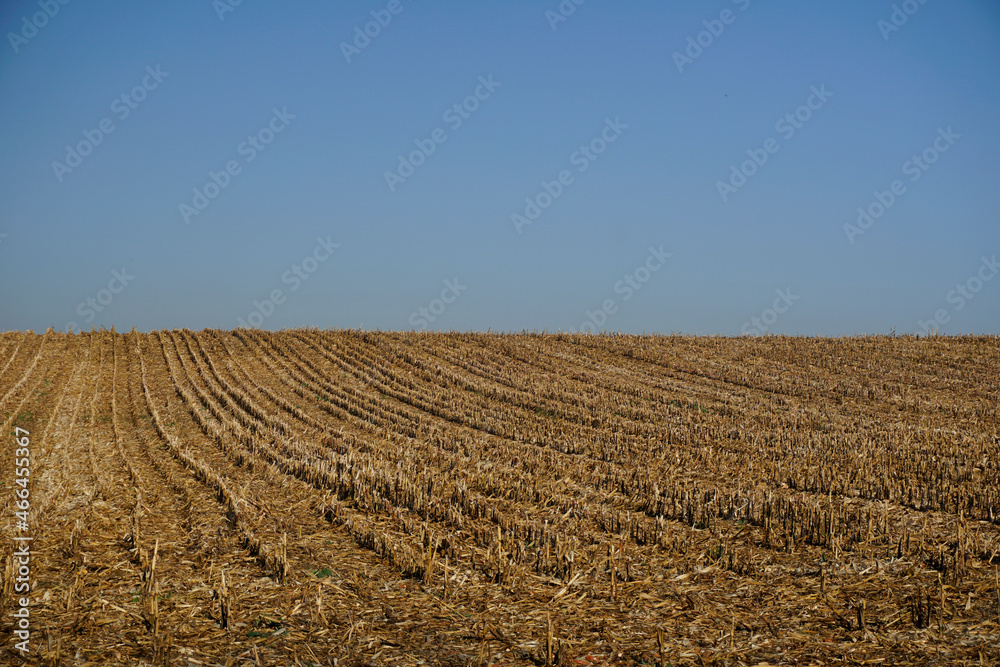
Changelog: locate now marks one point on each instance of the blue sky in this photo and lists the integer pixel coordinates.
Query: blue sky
(652, 114)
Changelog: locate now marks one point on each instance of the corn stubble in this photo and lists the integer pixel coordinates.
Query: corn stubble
(349, 497)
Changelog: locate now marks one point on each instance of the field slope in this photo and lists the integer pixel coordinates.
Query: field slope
(346, 497)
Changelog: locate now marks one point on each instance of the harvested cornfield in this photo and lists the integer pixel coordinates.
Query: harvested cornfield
(376, 498)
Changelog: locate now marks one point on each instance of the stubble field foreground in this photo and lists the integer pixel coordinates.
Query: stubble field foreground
(351, 498)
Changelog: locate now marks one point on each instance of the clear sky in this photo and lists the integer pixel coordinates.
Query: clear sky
(691, 167)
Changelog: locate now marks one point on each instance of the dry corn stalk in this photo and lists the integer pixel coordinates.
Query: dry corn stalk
(224, 595)
(149, 573)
